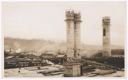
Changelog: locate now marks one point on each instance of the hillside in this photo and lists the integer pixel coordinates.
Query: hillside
(41, 45)
(32, 44)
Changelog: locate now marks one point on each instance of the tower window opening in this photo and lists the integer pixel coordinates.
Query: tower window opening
(104, 32)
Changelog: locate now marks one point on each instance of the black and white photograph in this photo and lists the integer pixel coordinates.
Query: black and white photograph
(63, 38)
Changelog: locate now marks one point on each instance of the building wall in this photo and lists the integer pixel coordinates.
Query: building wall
(76, 70)
(72, 70)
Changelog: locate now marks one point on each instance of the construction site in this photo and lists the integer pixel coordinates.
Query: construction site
(70, 63)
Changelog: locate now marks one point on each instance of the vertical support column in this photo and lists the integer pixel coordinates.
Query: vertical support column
(77, 35)
(70, 33)
(106, 37)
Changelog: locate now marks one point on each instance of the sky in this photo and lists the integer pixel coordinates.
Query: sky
(45, 20)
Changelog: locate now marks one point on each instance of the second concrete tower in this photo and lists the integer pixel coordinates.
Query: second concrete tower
(106, 37)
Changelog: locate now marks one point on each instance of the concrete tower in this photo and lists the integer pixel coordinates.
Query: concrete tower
(106, 37)
(77, 35)
(72, 65)
(73, 34)
(70, 33)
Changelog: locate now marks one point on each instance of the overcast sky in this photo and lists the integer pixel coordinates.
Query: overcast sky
(45, 20)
